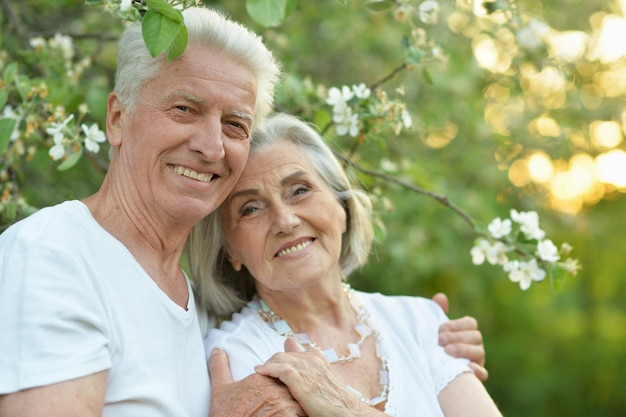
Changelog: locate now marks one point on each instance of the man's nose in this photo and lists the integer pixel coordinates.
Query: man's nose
(209, 140)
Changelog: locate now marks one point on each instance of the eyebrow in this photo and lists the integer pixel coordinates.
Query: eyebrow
(188, 96)
(253, 191)
(200, 101)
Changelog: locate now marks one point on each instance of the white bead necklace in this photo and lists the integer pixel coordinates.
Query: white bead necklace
(362, 329)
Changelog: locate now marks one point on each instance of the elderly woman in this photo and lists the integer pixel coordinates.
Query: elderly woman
(282, 245)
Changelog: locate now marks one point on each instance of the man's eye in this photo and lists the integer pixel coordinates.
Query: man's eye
(236, 130)
(183, 108)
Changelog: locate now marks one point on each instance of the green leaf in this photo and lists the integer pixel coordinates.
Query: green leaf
(268, 13)
(93, 2)
(161, 33)
(71, 161)
(427, 76)
(165, 9)
(4, 96)
(6, 129)
(9, 73)
(178, 45)
(557, 277)
(22, 83)
(379, 5)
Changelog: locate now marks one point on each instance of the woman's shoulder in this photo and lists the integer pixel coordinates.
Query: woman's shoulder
(400, 303)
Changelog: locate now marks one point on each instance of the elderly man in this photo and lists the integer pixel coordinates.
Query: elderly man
(98, 318)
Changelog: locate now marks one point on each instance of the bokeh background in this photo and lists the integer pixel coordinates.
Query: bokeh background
(502, 119)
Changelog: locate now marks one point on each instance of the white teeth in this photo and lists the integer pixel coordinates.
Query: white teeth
(294, 249)
(192, 174)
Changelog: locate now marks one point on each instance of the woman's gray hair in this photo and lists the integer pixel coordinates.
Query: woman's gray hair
(205, 27)
(220, 288)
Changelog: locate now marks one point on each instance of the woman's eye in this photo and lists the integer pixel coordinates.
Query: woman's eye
(301, 190)
(248, 210)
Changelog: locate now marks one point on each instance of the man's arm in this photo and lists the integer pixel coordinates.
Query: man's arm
(80, 397)
(257, 395)
(462, 339)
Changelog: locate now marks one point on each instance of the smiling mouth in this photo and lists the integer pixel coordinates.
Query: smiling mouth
(190, 173)
(294, 249)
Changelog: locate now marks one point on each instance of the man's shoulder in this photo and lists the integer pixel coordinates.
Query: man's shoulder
(65, 213)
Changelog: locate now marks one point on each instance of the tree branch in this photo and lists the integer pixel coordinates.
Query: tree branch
(437, 197)
(14, 20)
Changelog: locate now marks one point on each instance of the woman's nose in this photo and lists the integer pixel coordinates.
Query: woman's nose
(285, 220)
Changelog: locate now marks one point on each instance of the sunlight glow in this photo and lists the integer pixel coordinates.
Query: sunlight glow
(607, 134)
(609, 41)
(612, 168)
(568, 46)
(540, 167)
(546, 126)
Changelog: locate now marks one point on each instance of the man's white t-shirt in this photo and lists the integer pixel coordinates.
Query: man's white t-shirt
(74, 301)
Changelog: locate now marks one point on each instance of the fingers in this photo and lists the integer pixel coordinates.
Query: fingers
(475, 353)
(480, 371)
(219, 367)
(442, 299)
(292, 346)
(464, 323)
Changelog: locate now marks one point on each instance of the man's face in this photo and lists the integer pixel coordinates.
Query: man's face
(185, 144)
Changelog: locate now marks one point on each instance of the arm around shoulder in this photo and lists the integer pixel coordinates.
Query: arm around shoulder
(80, 397)
(466, 396)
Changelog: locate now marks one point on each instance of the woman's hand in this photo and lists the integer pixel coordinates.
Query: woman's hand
(256, 395)
(313, 384)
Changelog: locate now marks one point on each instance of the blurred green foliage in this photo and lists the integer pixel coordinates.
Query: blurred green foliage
(548, 354)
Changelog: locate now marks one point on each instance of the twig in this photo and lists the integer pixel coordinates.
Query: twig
(14, 20)
(437, 197)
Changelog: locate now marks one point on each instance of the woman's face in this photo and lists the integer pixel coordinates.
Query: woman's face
(283, 222)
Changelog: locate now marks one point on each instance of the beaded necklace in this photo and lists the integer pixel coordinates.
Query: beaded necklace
(362, 329)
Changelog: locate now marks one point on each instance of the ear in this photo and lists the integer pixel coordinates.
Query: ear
(234, 262)
(114, 124)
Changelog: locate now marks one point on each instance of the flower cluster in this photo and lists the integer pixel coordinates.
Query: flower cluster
(519, 245)
(354, 108)
(66, 137)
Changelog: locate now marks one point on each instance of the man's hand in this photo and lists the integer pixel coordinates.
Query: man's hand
(314, 384)
(462, 339)
(256, 395)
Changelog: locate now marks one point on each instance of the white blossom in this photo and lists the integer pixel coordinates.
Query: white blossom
(64, 43)
(499, 228)
(429, 12)
(547, 251)
(93, 136)
(58, 136)
(361, 91)
(37, 43)
(525, 273)
(9, 113)
(57, 151)
(570, 265)
(337, 97)
(349, 124)
(125, 5)
(529, 224)
(406, 119)
(494, 253)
